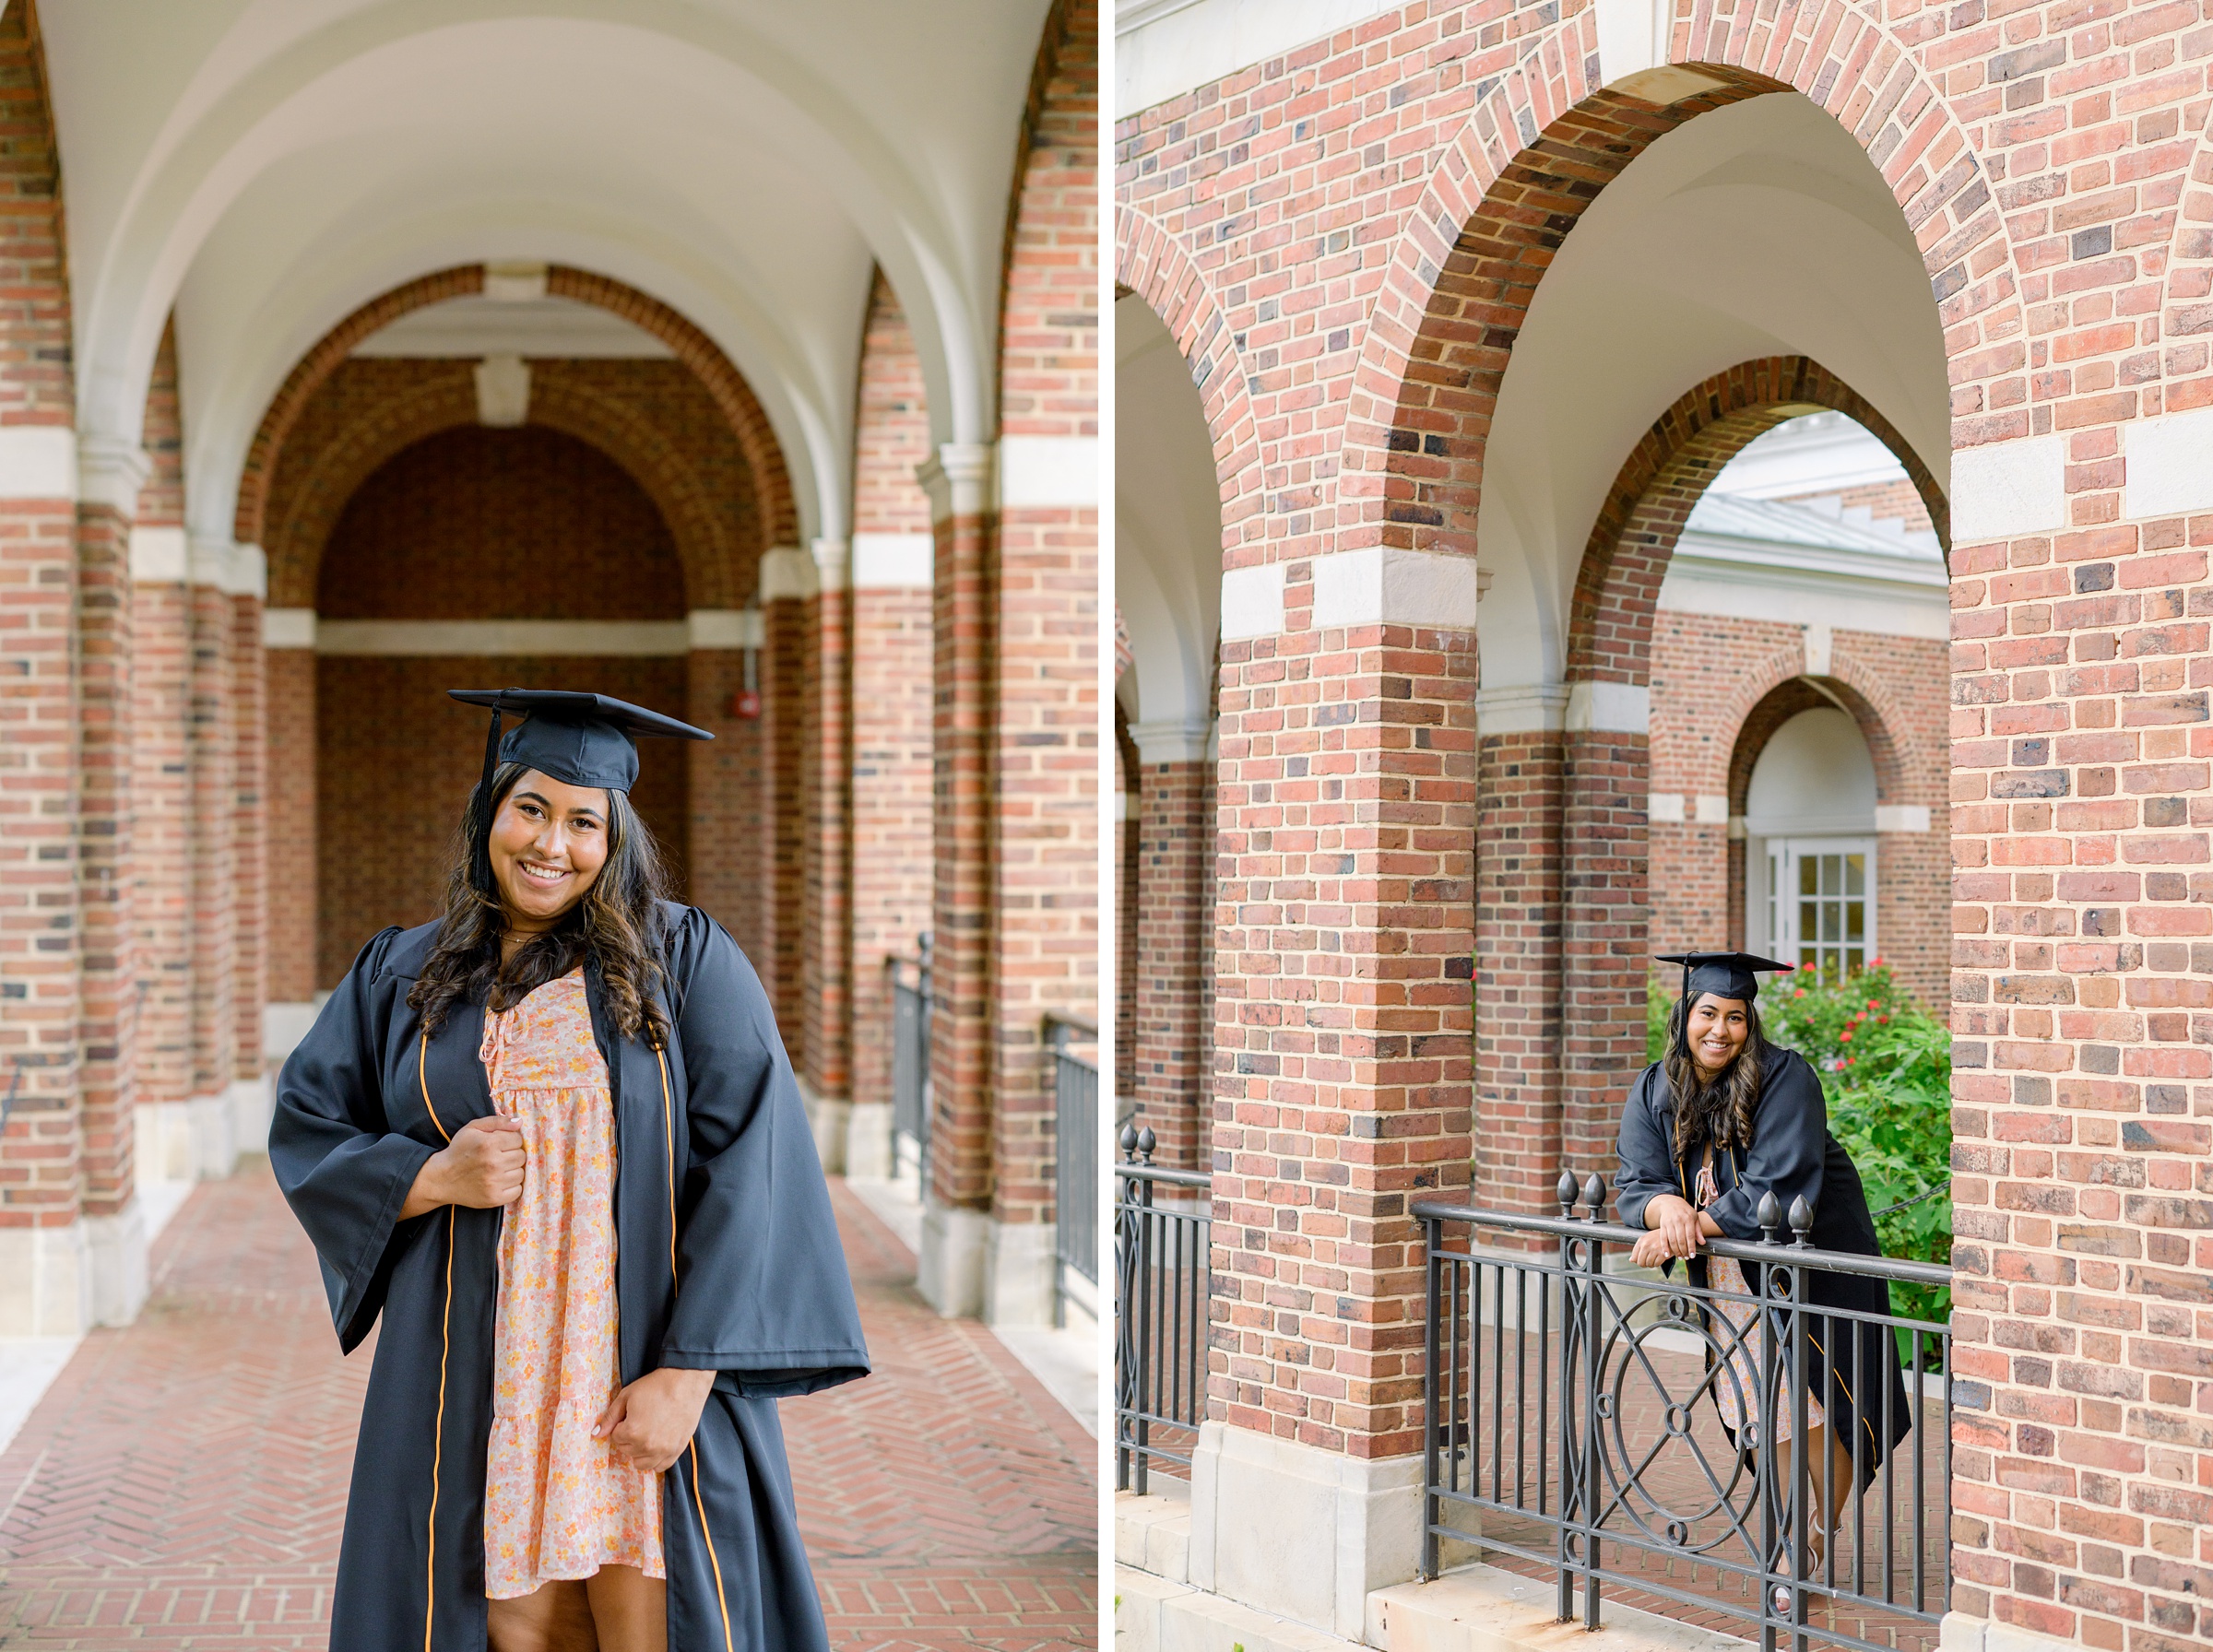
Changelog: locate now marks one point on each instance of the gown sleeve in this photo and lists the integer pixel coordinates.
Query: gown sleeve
(763, 1295)
(342, 1171)
(1789, 1136)
(1647, 1160)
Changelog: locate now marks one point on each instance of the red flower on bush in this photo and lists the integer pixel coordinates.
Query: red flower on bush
(1845, 1036)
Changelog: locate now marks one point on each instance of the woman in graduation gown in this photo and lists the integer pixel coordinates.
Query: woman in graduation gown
(1725, 1120)
(696, 1194)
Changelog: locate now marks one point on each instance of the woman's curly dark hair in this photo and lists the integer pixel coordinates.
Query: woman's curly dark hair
(617, 925)
(1720, 1111)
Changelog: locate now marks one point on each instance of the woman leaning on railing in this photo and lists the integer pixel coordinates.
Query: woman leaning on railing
(1722, 1120)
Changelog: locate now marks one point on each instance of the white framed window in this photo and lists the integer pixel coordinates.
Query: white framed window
(1821, 901)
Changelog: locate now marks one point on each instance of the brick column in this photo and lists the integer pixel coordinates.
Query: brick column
(826, 933)
(1604, 847)
(787, 589)
(288, 767)
(1343, 1030)
(250, 838)
(722, 850)
(212, 748)
(1521, 793)
(109, 473)
(1171, 1057)
(951, 1269)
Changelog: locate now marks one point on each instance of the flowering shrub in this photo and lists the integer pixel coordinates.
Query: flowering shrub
(1886, 1066)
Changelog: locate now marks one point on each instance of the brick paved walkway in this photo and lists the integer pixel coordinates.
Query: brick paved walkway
(182, 1484)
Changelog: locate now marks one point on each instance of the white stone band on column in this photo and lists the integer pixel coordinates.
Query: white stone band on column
(725, 628)
(833, 563)
(288, 628)
(1608, 708)
(1521, 708)
(38, 461)
(786, 576)
(895, 561)
(110, 471)
(159, 555)
(1383, 585)
(1176, 741)
(2008, 489)
(1044, 472)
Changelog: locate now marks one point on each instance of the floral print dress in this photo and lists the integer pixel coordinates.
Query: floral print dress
(557, 1502)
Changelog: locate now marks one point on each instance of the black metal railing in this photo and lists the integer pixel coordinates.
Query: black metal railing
(1075, 1154)
(1164, 1284)
(911, 1003)
(1574, 1421)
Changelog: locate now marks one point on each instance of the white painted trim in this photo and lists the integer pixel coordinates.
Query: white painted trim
(958, 479)
(2170, 464)
(1164, 48)
(1386, 585)
(1521, 708)
(1253, 602)
(2008, 489)
(109, 472)
(1044, 472)
(502, 392)
(288, 628)
(249, 573)
(1632, 36)
(725, 628)
(491, 638)
(38, 461)
(1711, 810)
(1820, 649)
(1730, 590)
(1665, 808)
(895, 561)
(515, 282)
(786, 576)
(1177, 741)
(833, 563)
(1608, 708)
(1902, 816)
(159, 555)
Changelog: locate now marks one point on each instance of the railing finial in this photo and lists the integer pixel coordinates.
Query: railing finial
(1801, 1221)
(1146, 1141)
(1566, 1193)
(1127, 1141)
(1768, 1215)
(1594, 1195)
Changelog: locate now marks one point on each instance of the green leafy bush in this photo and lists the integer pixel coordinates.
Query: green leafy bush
(1886, 1068)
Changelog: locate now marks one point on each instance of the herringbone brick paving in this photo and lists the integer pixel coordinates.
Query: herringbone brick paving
(182, 1484)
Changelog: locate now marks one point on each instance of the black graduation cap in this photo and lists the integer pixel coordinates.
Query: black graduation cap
(585, 740)
(1725, 974)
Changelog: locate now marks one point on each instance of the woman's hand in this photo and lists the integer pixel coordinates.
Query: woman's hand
(649, 1423)
(481, 1168)
(1676, 1230)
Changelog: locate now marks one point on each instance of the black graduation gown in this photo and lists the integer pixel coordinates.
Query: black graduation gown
(717, 1189)
(1794, 1156)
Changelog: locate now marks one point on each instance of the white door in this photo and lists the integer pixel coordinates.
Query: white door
(1821, 902)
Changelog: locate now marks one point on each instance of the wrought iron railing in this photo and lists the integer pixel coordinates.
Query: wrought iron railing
(1163, 1225)
(1573, 1422)
(1075, 1157)
(911, 1003)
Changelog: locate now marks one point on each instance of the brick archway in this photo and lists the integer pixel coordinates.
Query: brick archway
(305, 504)
(1658, 486)
(748, 423)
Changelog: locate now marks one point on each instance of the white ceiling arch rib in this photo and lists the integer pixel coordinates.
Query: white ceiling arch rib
(265, 166)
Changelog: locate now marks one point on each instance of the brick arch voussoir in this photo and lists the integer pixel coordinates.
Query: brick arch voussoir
(756, 437)
(1151, 262)
(1633, 536)
(249, 521)
(1794, 693)
(748, 420)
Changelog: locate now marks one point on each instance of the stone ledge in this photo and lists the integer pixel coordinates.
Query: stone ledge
(1151, 1614)
(1481, 1609)
(1152, 1533)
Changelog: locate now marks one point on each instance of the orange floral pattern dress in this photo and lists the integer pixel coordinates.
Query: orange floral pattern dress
(557, 1502)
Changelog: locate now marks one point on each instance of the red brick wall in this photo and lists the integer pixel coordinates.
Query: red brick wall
(294, 899)
(109, 1004)
(889, 846)
(1174, 920)
(1129, 882)
(249, 847)
(39, 935)
(1045, 842)
(825, 933)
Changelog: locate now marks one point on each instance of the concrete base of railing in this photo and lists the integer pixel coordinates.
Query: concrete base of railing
(1475, 1609)
(1963, 1633)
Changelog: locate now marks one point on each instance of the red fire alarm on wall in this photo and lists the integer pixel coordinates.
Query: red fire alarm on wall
(746, 702)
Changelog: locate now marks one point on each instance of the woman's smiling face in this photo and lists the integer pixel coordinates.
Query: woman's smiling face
(1718, 1029)
(549, 842)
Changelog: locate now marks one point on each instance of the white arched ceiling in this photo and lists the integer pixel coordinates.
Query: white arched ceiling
(1167, 516)
(267, 166)
(1761, 228)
